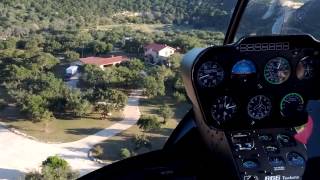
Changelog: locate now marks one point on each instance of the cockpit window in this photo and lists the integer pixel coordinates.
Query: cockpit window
(265, 17)
(94, 82)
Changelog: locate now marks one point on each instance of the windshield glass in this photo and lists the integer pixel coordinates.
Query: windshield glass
(88, 83)
(265, 17)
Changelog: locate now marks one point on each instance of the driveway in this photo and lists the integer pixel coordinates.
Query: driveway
(19, 154)
(73, 81)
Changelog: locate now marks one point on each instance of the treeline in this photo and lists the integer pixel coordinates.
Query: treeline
(20, 17)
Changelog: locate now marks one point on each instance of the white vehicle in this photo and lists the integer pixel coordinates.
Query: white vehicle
(71, 70)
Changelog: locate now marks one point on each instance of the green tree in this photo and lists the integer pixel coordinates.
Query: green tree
(54, 168)
(98, 47)
(106, 109)
(117, 98)
(33, 43)
(175, 61)
(42, 61)
(36, 107)
(76, 104)
(94, 77)
(153, 87)
(165, 112)
(148, 123)
(71, 56)
(10, 43)
(52, 46)
(187, 43)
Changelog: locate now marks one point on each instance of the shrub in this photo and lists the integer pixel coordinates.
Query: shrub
(166, 112)
(125, 153)
(142, 141)
(148, 123)
(55, 167)
(97, 151)
(180, 97)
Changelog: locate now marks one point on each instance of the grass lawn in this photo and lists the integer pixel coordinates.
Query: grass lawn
(113, 145)
(59, 130)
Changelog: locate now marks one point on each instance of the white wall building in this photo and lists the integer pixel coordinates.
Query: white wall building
(155, 53)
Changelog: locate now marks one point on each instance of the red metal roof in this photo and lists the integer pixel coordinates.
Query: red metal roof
(156, 47)
(103, 60)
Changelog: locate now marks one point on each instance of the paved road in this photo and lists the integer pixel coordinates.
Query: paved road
(19, 154)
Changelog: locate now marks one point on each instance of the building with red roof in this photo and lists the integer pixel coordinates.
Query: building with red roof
(103, 62)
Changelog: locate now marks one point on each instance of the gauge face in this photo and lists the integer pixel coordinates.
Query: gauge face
(277, 71)
(210, 74)
(305, 69)
(259, 107)
(291, 104)
(295, 159)
(250, 164)
(244, 67)
(223, 109)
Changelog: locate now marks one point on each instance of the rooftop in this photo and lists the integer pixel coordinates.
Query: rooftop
(156, 47)
(103, 60)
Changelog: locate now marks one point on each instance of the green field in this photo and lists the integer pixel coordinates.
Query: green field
(113, 145)
(58, 130)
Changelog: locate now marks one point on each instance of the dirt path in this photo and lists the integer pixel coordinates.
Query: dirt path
(19, 154)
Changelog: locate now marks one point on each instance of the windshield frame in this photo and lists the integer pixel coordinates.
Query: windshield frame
(235, 21)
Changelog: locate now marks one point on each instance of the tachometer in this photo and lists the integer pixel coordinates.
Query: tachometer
(277, 70)
(223, 109)
(305, 69)
(210, 74)
(291, 104)
(295, 159)
(259, 107)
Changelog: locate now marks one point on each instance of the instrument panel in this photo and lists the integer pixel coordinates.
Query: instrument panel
(267, 154)
(258, 82)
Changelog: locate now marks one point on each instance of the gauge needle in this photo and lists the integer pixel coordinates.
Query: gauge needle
(279, 66)
(204, 76)
(230, 107)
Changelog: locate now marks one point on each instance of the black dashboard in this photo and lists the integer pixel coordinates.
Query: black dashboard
(258, 82)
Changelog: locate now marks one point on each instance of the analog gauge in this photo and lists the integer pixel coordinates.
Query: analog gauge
(277, 70)
(244, 73)
(223, 109)
(210, 74)
(305, 69)
(250, 164)
(243, 68)
(295, 159)
(291, 104)
(259, 107)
